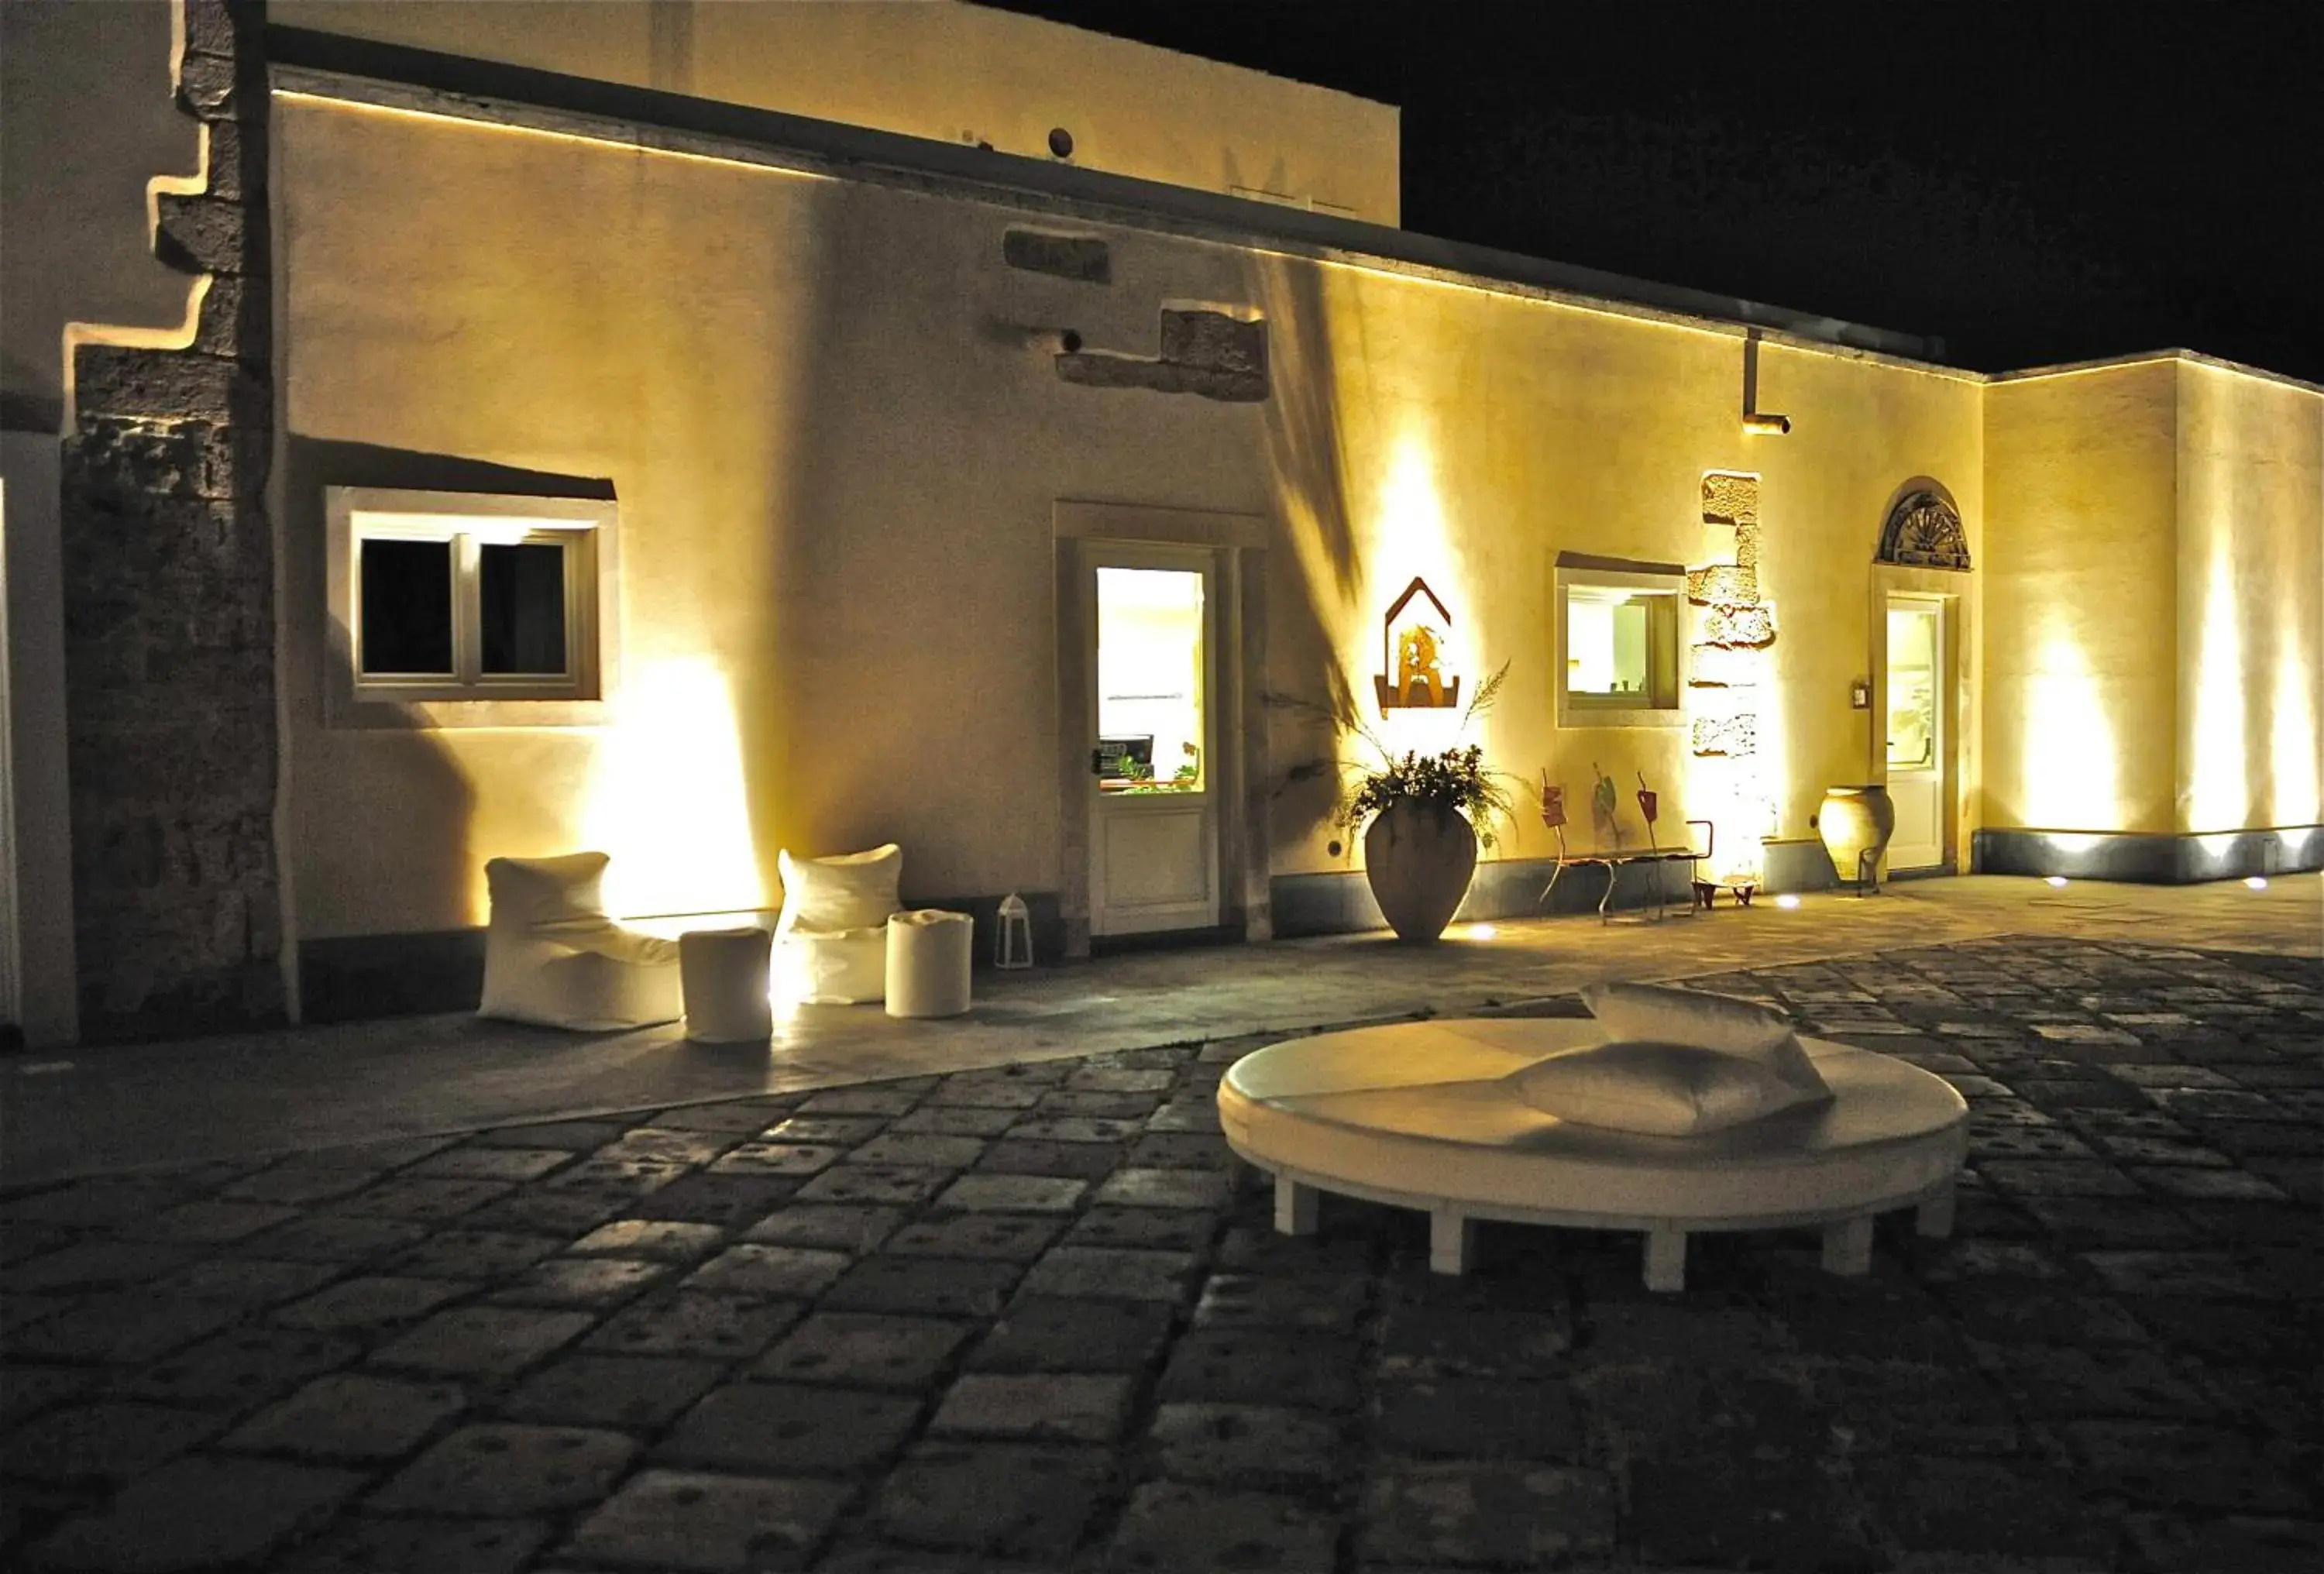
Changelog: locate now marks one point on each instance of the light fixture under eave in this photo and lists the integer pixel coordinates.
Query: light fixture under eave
(2257, 882)
(1756, 423)
(2053, 880)
(1787, 901)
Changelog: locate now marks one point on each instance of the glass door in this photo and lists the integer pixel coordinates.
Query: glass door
(1154, 824)
(1916, 733)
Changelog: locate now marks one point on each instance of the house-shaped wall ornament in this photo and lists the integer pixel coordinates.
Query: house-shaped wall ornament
(1412, 654)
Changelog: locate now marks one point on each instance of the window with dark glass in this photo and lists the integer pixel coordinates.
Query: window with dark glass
(407, 608)
(521, 608)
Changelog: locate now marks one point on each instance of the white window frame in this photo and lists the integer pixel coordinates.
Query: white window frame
(1662, 705)
(468, 696)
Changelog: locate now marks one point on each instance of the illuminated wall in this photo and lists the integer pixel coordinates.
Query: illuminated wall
(2250, 582)
(2081, 625)
(1473, 437)
(955, 73)
(2152, 586)
(835, 481)
(835, 478)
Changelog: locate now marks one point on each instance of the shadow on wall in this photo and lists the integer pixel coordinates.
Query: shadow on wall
(1319, 586)
(389, 783)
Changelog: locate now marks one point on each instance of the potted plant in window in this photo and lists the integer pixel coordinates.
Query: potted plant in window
(1423, 818)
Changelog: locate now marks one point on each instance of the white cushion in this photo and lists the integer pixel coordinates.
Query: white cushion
(525, 891)
(856, 891)
(1662, 1090)
(1655, 1014)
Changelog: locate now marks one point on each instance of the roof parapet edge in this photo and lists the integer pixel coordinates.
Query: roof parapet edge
(865, 151)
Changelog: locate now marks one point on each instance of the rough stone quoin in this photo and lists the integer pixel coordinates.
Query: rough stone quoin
(1734, 623)
(168, 603)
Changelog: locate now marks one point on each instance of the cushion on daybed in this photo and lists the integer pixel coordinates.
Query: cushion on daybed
(1659, 1089)
(856, 891)
(1656, 1013)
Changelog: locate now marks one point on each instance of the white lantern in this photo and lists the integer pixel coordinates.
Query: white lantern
(1012, 941)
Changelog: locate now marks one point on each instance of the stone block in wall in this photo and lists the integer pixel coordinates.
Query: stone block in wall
(1732, 735)
(1747, 547)
(206, 235)
(209, 26)
(115, 379)
(1730, 498)
(1090, 369)
(1717, 666)
(236, 319)
(1083, 259)
(237, 160)
(161, 762)
(1737, 628)
(215, 87)
(1726, 584)
(1214, 341)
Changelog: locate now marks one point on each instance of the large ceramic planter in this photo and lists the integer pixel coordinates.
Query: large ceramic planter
(1419, 858)
(1853, 822)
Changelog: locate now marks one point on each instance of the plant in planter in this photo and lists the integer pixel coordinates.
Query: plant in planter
(1423, 818)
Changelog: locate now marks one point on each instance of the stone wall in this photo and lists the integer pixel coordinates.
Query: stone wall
(168, 605)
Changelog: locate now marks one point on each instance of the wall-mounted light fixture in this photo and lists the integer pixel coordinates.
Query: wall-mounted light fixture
(1756, 423)
(1054, 341)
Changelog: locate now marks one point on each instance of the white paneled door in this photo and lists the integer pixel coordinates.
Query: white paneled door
(1917, 743)
(1154, 821)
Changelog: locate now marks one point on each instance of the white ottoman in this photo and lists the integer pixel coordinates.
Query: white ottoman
(928, 963)
(723, 973)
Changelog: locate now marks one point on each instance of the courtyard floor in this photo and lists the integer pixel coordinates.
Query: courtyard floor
(1008, 1312)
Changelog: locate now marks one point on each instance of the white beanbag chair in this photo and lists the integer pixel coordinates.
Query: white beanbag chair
(552, 956)
(833, 931)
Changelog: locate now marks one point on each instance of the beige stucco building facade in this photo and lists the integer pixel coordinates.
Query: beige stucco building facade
(869, 400)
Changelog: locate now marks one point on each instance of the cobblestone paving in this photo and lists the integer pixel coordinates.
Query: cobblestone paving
(1020, 1320)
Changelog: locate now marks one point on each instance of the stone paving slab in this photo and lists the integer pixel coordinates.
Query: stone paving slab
(1023, 1320)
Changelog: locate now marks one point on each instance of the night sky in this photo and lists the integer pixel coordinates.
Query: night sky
(2035, 183)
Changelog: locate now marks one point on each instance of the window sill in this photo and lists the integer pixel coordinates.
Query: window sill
(1573, 717)
(443, 715)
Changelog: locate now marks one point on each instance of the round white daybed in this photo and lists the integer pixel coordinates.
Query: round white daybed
(1415, 1114)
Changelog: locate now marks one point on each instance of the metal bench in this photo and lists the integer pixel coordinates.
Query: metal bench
(1613, 861)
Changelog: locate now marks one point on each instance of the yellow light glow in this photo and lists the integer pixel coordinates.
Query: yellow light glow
(1412, 538)
(2219, 781)
(668, 799)
(1483, 932)
(2053, 880)
(1787, 901)
(2256, 882)
(2072, 774)
(2293, 763)
(2072, 843)
(788, 982)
